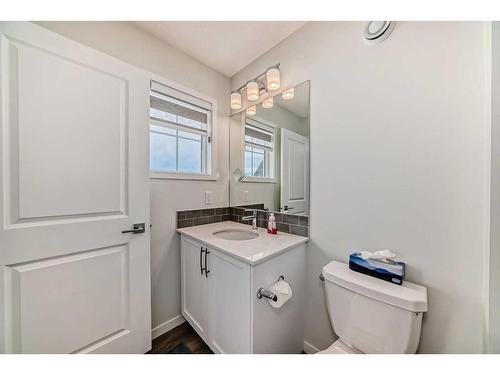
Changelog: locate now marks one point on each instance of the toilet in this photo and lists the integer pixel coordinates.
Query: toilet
(370, 315)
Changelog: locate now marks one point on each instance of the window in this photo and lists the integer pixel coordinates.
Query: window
(259, 150)
(179, 133)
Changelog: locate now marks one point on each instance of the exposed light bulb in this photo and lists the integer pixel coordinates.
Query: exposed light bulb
(288, 94)
(273, 79)
(252, 91)
(268, 103)
(251, 111)
(235, 100)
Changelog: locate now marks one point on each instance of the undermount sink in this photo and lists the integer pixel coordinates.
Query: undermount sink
(236, 234)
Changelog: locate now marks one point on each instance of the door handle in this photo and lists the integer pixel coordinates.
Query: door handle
(207, 271)
(201, 260)
(137, 228)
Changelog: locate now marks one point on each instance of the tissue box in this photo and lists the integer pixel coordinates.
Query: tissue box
(387, 270)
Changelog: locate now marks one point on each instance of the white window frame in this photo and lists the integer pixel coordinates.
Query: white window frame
(163, 85)
(273, 163)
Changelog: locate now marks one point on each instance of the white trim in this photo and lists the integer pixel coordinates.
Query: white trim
(262, 180)
(164, 327)
(310, 348)
(183, 176)
(490, 166)
(213, 176)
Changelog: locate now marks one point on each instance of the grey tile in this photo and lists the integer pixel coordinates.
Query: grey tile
(208, 212)
(200, 220)
(262, 223)
(234, 218)
(196, 213)
(188, 214)
(278, 217)
(299, 231)
(214, 219)
(185, 223)
(221, 211)
(181, 215)
(283, 227)
(304, 221)
(262, 215)
(291, 219)
(226, 217)
(238, 211)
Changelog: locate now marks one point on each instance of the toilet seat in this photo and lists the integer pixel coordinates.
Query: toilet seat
(339, 347)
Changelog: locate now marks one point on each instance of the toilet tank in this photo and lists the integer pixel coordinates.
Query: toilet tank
(372, 315)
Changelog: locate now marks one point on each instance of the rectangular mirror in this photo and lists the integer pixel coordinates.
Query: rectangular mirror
(269, 154)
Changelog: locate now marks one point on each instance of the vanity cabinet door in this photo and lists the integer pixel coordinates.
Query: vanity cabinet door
(194, 286)
(229, 303)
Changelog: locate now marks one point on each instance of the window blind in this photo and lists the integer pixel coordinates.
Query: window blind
(187, 98)
(177, 108)
(260, 136)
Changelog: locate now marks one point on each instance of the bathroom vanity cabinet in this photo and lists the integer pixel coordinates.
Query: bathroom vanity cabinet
(219, 292)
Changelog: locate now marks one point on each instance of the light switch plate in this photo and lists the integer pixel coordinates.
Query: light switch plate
(209, 199)
(245, 196)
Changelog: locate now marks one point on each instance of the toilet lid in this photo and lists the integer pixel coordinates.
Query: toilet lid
(409, 296)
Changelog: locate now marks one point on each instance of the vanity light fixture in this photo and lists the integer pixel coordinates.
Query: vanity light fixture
(288, 94)
(235, 100)
(252, 90)
(273, 78)
(268, 103)
(251, 111)
(268, 80)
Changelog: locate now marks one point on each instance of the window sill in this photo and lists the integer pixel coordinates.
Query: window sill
(182, 176)
(259, 180)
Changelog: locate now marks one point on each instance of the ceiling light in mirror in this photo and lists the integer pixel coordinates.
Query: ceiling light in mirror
(252, 91)
(268, 103)
(273, 79)
(235, 100)
(288, 94)
(251, 111)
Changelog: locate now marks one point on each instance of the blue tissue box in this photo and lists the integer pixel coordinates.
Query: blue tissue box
(387, 270)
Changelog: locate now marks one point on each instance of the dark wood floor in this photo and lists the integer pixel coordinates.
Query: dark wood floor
(182, 339)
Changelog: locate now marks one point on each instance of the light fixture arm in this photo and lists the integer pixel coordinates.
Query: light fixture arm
(259, 79)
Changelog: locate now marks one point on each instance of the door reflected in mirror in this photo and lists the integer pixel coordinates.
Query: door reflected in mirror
(269, 153)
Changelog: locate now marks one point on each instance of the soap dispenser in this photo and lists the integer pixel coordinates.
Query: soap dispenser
(271, 224)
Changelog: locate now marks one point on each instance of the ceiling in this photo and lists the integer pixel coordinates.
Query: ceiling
(227, 46)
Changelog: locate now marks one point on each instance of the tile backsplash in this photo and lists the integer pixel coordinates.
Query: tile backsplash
(191, 218)
(287, 223)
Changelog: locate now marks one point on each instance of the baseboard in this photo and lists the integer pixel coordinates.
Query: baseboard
(164, 327)
(310, 348)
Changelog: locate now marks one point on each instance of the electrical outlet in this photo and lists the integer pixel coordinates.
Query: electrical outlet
(245, 196)
(209, 199)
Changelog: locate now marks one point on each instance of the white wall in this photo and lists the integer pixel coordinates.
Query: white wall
(399, 160)
(128, 43)
(494, 290)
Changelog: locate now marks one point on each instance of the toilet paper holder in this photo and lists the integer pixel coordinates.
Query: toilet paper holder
(267, 293)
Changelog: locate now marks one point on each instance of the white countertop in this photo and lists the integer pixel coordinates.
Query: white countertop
(250, 251)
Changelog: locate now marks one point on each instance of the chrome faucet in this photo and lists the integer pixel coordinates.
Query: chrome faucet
(253, 218)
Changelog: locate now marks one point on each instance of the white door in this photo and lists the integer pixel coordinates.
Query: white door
(229, 299)
(73, 176)
(194, 282)
(294, 173)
